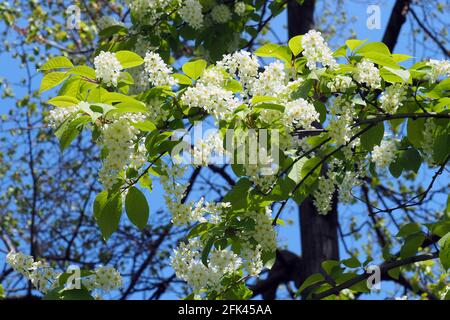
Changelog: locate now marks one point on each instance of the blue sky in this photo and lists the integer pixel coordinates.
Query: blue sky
(289, 235)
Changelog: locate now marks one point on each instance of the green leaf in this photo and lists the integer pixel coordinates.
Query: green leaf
(83, 71)
(352, 262)
(56, 63)
(441, 147)
(374, 47)
(146, 126)
(303, 90)
(206, 250)
(109, 213)
(76, 294)
(372, 137)
(352, 44)
(69, 130)
(51, 80)
(398, 57)
(412, 244)
(182, 79)
(233, 86)
(259, 99)
(415, 130)
(410, 159)
(194, 69)
(381, 59)
(136, 207)
(408, 229)
(129, 59)
(444, 252)
(311, 280)
(395, 75)
(267, 50)
(63, 101)
(295, 44)
(269, 106)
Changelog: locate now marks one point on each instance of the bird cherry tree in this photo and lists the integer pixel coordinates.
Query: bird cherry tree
(324, 121)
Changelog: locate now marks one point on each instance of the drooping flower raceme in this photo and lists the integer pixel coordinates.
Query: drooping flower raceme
(439, 68)
(385, 153)
(239, 8)
(107, 68)
(316, 50)
(301, 113)
(159, 74)
(191, 13)
(221, 13)
(45, 278)
(392, 98)
(368, 74)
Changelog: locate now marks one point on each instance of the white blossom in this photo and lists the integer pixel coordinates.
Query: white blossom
(316, 50)
(159, 74)
(385, 153)
(392, 98)
(107, 68)
(239, 8)
(439, 68)
(367, 73)
(221, 13)
(191, 13)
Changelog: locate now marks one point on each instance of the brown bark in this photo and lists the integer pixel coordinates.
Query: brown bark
(319, 234)
(396, 21)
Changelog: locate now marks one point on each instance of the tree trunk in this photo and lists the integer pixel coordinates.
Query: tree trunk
(396, 21)
(318, 233)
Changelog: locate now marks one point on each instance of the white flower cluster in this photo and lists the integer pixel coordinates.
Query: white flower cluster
(107, 68)
(316, 50)
(159, 74)
(324, 193)
(118, 139)
(191, 13)
(243, 64)
(339, 127)
(105, 278)
(301, 113)
(57, 116)
(239, 8)
(188, 266)
(108, 21)
(209, 211)
(208, 149)
(221, 13)
(439, 68)
(271, 82)
(44, 277)
(187, 258)
(174, 194)
(392, 98)
(428, 139)
(340, 83)
(385, 153)
(264, 233)
(329, 183)
(218, 102)
(367, 73)
(150, 11)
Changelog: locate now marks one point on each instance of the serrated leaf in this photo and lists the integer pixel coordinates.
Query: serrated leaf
(51, 80)
(56, 63)
(63, 101)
